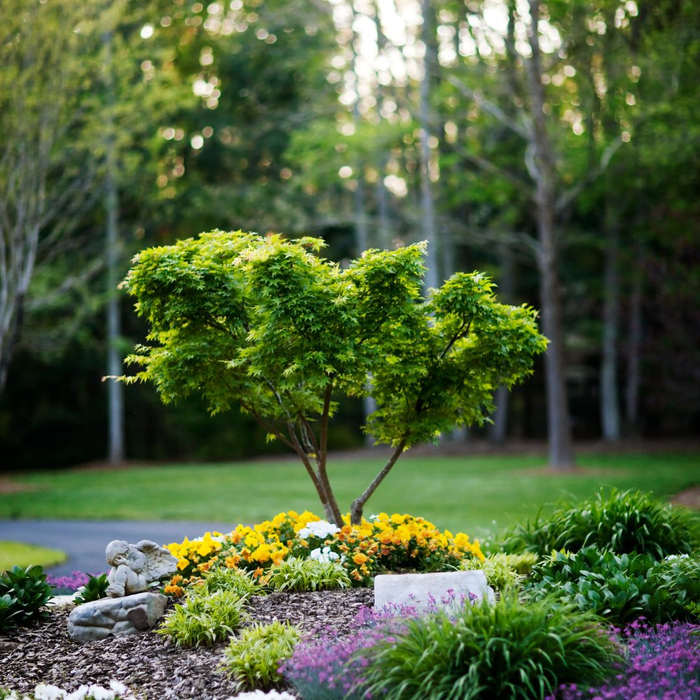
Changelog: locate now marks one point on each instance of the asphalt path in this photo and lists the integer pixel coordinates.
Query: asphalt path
(84, 541)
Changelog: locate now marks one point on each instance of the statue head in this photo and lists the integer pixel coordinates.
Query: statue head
(117, 549)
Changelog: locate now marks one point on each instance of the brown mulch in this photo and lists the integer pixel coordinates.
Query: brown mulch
(151, 665)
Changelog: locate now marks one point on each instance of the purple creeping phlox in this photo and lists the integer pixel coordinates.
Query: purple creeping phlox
(331, 668)
(663, 663)
(69, 584)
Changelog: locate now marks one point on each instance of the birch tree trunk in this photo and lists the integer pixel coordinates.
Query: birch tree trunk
(609, 401)
(115, 390)
(543, 171)
(427, 201)
(634, 346)
(506, 293)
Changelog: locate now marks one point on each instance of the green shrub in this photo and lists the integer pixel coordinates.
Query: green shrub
(505, 650)
(29, 592)
(94, 589)
(620, 587)
(253, 658)
(626, 522)
(8, 613)
(203, 619)
(222, 579)
(301, 575)
(499, 572)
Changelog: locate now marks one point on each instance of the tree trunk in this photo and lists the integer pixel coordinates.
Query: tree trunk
(506, 294)
(7, 344)
(609, 402)
(115, 392)
(558, 423)
(634, 346)
(427, 201)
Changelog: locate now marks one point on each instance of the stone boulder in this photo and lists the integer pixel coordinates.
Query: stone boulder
(115, 616)
(445, 590)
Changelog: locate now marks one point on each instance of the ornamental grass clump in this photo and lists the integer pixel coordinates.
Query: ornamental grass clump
(302, 575)
(203, 619)
(661, 662)
(254, 657)
(626, 522)
(502, 650)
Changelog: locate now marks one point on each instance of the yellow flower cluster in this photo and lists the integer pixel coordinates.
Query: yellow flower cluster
(382, 543)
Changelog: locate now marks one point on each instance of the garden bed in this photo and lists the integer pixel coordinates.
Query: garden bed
(151, 665)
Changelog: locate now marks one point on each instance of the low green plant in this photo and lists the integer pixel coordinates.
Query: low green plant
(203, 619)
(222, 579)
(631, 521)
(29, 592)
(502, 650)
(620, 587)
(254, 657)
(301, 575)
(8, 614)
(521, 563)
(499, 572)
(94, 589)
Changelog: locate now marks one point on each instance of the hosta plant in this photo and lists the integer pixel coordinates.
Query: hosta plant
(203, 619)
(29, 592)
(500, 573)
(626, 522)
(94, 589)
(620, 587)
(267, 324)
(8, 613)
(253, 657)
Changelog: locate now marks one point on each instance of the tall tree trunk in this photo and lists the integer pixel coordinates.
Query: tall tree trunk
(115, 393)
(634, 346)
(427, 201)
(506, 293)
(8, 343)
(558, 424)
(609, 401)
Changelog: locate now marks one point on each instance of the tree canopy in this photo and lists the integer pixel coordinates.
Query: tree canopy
(266, 323)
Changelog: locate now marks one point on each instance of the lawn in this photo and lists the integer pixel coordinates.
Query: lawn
(479, 495)
(21, 554)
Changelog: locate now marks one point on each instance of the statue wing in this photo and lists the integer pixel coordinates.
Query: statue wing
(159, 562)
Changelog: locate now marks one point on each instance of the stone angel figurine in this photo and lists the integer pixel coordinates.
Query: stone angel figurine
(134, 566)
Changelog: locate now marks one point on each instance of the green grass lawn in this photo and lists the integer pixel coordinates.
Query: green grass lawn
(479, 495)
(21, 554)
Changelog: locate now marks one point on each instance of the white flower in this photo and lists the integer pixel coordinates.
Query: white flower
(79, 694)
(118, 688)
(319, 528)
(323, 555)
(97, 692)
(48, 692)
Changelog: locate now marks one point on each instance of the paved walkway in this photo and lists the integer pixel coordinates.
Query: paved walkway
(85, 540)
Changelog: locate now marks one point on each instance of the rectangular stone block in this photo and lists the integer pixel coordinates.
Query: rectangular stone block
(444, 590)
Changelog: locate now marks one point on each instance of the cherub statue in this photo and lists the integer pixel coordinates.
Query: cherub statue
(134, 566)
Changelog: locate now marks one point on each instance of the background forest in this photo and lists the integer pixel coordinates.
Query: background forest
(553, 145)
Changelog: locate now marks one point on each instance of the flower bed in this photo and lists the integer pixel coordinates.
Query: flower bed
(382, 543)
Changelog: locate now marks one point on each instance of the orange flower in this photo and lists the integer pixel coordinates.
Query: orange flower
(360, 558)
(174, 590)
(258, 572)
(232, 561)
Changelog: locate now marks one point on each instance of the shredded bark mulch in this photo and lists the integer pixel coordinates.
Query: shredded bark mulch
(151, 665)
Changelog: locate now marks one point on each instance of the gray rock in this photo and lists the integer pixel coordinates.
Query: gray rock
(115, 616)
(445, 590)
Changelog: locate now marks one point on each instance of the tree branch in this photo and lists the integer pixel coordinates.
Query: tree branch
(359, 503)
(570, 195)
(490, 107)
